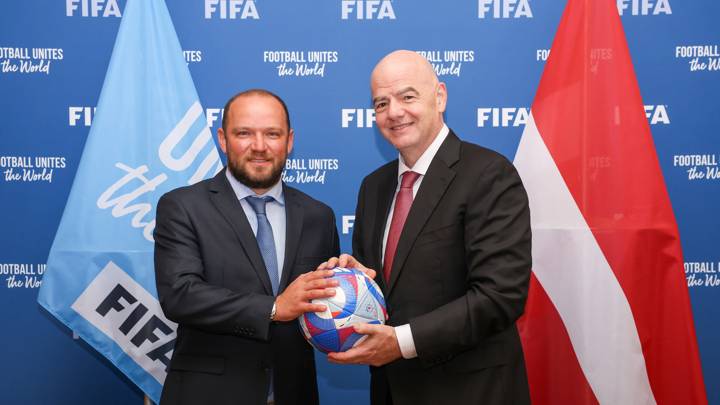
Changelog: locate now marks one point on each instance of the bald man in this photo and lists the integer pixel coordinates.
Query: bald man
(447, 226)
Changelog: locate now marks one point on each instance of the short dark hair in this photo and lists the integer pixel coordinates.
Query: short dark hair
(251, 92)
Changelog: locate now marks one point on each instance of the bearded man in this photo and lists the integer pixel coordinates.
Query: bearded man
(233, 261)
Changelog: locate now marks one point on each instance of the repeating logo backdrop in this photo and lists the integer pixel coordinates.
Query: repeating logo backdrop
(318, 56)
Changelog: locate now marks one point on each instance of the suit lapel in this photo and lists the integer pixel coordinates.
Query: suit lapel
(293, 229)
(225, 200)
(433, 186)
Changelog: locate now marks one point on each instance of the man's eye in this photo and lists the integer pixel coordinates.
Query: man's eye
(380, 106)
(408, 98)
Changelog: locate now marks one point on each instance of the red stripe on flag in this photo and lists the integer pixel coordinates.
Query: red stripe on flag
(553, 371)
(589, 112)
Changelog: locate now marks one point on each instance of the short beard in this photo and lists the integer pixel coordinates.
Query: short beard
(243, 177)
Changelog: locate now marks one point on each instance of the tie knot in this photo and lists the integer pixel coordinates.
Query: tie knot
(408, 179)
(258, 203)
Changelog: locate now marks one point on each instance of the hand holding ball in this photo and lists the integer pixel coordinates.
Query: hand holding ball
(358, 299)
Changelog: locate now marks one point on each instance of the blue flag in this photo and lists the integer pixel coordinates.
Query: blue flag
(149, 136)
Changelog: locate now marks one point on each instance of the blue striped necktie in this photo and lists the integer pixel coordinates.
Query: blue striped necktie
(265, 239)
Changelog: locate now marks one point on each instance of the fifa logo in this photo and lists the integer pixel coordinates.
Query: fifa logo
(644, 7)
(80, 114)
(127, 313)
(368, 9)
(657, 114)
(502, 117)
(213, 115)
(506, 117)
(83, 116)
(92, 8)
(348, 222)
(504, 9)
(231, 9)
(363, 117)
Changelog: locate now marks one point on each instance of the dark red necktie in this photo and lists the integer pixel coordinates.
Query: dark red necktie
(403, 201)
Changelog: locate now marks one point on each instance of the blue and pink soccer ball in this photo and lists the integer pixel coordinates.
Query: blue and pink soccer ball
(357, 300)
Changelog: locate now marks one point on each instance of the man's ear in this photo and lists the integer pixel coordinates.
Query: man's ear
(441, 97)
(221, 140)
(291, 138)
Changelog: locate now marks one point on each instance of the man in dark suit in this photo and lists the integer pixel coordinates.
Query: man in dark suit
(449, 225)
(233, 261)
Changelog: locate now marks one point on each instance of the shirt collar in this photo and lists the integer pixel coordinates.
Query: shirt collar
(242, 191)
(423, 163)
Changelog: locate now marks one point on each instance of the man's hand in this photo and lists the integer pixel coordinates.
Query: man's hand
(379, 347)
(347, 261)
(295, 300)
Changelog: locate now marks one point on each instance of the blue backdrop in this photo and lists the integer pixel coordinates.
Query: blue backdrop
(318, 56)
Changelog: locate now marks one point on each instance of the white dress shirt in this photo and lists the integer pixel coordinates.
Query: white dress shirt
(403, 332)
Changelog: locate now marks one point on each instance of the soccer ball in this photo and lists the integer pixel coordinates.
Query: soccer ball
(357, 300)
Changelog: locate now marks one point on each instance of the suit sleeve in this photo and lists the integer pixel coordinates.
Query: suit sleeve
(498, 256)
(185, 295)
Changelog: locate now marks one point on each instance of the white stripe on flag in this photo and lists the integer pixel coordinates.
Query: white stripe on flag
(568, 263)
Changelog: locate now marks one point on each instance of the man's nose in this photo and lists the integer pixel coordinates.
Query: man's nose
(258, 142)
(395, 110)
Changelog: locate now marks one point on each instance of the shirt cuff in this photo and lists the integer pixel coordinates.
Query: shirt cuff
(405, 341)
(273, 311)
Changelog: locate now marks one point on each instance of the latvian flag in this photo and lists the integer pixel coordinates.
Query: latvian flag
(608, 317)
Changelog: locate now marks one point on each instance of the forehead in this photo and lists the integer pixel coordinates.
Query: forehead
(257, 108)
(390, 77)
(252, 102)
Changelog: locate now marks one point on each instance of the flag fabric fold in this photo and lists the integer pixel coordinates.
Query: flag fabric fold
(608, 318)
(149, 135)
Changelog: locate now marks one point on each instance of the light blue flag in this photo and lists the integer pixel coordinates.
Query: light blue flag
(149, 136)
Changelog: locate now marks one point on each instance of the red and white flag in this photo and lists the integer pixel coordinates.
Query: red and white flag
(608, 318)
